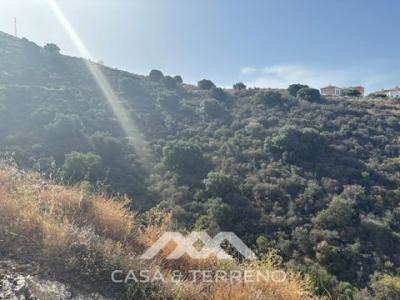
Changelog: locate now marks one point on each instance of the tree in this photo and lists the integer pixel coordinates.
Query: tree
(205, 84)
(185, 158)
(218, 93)
(296, 145)
(65, 134)
(377, 95)
(239, 86)
(269, 97)
(52, 48)
(220, 211)
(340, 213)
(156, 75)
(294, 88)
(130, 87)
(386, 287)
(82, 166)
(169, 101)
(309, 94)
(351, 92)
(219, 184)
(169, 82)
(212, 108)
(178, 79)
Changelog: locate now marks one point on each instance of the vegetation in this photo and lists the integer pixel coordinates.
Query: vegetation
(205, 84)
(309, 94)
(239, 86)
(83, 237)
(351, 92)
(294, 88)
(316, 179)
(156, 75)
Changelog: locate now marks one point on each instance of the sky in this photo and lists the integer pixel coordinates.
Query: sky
(264, 43)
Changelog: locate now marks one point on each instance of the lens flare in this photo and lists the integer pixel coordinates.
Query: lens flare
(130, 129)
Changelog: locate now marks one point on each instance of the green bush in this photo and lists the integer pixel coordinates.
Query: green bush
(351, 92)
(294, 88)
(184, 158)
(52, 48)
(296, 145)
(386, 287)
(219, 184)
(269, 98)
(178, 79)
(309, 94)
(239, 86)
(205, 84)
(212, 108)
(169, 82)
(169, 101)
(82, 166)
(156, 75)
(218, 93)
(340, 213)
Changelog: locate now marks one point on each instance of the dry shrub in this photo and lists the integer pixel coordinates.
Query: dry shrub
(111, 219)
(56, 238)
(61, 201)
(293, 288)
(20, 223)
(289, 289)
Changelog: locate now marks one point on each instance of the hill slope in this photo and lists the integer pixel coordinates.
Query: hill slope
(319, 181)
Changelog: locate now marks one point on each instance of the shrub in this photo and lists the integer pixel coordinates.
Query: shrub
(219, 211)
(52, 48)
(178, 79)
(184, 157)
(82, 166)
(386, 287)
(340, 213)
(219, 184)
(205, 84)
(212, 108)
(169, 82)
(169, 102)
(239, 86)
(269, 98)
(295, 145)
(378, 95)
(131, 88)
(309, 94)
(351, 92)
(218, 93)
(156, 75)
(294, 88)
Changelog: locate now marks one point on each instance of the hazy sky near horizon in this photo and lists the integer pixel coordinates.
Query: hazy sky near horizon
(268, 43)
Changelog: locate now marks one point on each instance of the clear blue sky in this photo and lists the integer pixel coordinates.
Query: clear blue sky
(262, 42)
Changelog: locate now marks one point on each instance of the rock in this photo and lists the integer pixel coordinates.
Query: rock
(18, 283)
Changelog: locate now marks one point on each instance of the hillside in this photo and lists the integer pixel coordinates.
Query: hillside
(316, 179)
(67, 241)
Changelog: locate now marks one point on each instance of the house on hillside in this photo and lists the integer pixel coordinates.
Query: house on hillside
(391, 93)
(331, 90)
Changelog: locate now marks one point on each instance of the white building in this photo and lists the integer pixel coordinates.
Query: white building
(392, 93)
(331, 90)
(395, 93)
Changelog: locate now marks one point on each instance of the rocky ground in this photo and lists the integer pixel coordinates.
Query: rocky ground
(20, 282)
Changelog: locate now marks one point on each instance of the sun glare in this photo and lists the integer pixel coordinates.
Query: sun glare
(131, 130)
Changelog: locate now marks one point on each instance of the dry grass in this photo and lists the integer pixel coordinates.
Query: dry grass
(89, 236)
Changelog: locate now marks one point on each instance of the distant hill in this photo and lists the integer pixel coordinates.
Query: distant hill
(316, 179)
